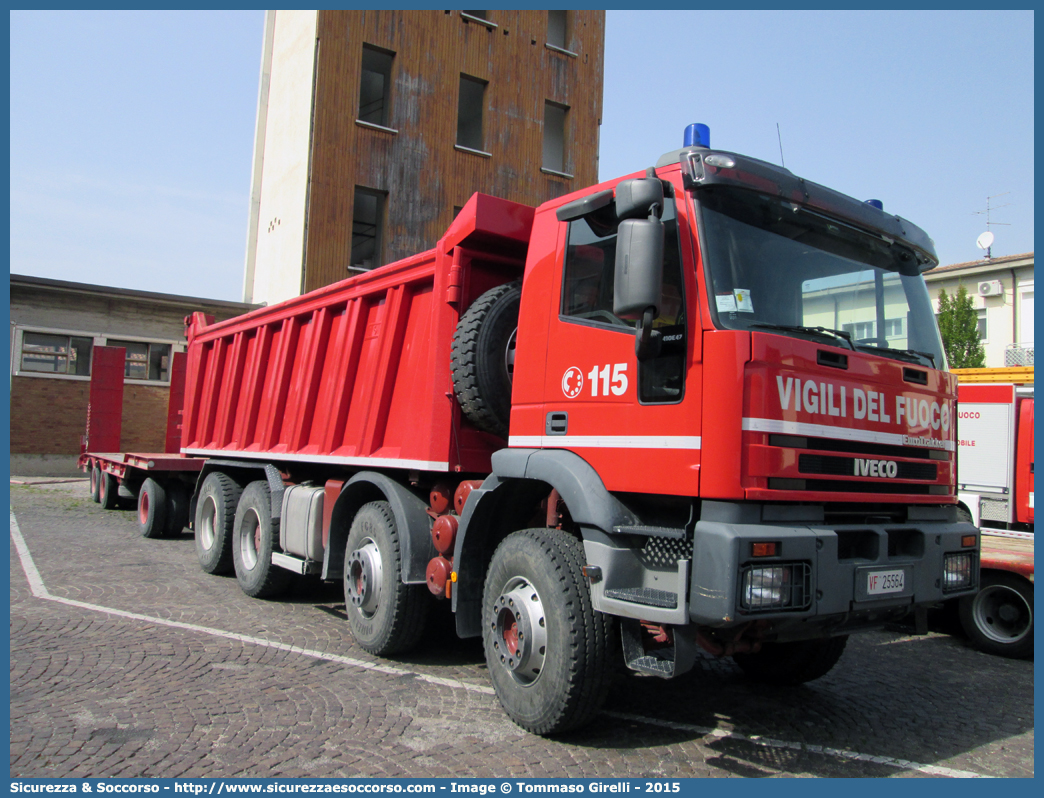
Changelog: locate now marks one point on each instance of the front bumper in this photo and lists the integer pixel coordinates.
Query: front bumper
(839, 560)
(827, 587)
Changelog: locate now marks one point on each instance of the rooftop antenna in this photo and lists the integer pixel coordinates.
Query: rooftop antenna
(780, 139)
(985, 241)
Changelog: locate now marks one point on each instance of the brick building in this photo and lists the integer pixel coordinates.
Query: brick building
(55, 326)
(375, 127)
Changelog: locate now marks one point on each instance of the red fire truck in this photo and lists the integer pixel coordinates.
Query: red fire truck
(700, 406)
(995, 490)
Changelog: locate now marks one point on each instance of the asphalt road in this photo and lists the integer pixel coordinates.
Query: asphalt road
(127, 660)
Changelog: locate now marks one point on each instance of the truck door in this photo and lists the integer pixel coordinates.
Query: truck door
(637, 423)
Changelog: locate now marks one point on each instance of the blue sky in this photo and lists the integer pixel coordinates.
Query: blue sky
(132, 132)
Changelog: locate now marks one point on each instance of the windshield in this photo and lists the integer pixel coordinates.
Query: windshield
(772, 264)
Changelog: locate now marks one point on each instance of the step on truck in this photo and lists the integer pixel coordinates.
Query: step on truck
(995, 491)
(700, 407)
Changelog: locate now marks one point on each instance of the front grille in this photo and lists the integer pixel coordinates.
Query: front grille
(846, 466)
(853, 486)
(856, 447)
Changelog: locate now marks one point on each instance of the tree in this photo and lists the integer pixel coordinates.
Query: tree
(959, 327)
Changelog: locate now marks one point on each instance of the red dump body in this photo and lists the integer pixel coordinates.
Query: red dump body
(357, 373)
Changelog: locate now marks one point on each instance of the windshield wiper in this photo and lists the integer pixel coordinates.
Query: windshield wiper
(910, 353)
(844, 336)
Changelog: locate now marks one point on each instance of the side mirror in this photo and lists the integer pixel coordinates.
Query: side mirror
(635, 198)
(638, 281)
(638, 287)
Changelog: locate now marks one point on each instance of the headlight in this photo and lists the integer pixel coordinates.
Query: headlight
(958, 571)
(772, 587)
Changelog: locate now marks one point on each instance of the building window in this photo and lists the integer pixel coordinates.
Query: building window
(375, 86)
(144, 361)
(556, 29)
(476, 14)
(469, 112)
(367, 218)
(554, 136)
(981, 314)
(56, 354)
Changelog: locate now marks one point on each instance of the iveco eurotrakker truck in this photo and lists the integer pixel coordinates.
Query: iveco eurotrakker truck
(701, 406)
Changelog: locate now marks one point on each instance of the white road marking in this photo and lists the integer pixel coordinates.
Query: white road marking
(39, 589)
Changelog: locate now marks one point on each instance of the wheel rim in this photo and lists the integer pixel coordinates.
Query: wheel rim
(364, 578)
(143, 507)
(520, 631)
(208, 516)
(1002, 614)
(94, 480)
(250, 539)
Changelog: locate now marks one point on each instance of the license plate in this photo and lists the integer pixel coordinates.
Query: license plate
(881, 583)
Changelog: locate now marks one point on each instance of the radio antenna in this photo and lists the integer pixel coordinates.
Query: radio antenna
(985, 241)
(780, 139)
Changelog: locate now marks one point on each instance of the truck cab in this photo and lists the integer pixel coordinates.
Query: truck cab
(766, 447)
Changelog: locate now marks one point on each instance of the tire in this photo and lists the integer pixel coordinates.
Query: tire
(548, 651)
(999, 618)
(95, 483)
(152, 509)
(215, 517)
(108, 491)
(177, 509)
(254, 537)
(790, 664)
(483, 358)
(385, 616)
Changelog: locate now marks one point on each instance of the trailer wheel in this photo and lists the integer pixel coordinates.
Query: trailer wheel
(547, 649)
(95, 483)
(790, 664)
(108, 491)
(254, 537)
(152, 509)
(483, 358)
(385, 616)
(177, 509)
(215, 517)
(999, 618)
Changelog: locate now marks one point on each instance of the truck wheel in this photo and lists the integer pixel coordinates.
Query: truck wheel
(999, 618)
(177, 509)
(254, 537)
(95, 483)
(385, 616)
(215, 516)
(152, 509)
(789, 664)
(483, 358)
(547, 649)
(108, 491)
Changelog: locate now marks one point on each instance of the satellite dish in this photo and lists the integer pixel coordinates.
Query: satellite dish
(985, 241)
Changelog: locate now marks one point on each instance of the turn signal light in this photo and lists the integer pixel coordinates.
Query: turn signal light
(762, 549)
(967, 540)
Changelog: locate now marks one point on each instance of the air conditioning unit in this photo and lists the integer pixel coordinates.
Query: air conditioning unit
(991, 288)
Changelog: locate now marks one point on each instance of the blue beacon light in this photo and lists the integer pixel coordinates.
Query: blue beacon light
(697, 135)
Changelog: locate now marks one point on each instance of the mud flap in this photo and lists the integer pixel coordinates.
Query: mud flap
(672, 660)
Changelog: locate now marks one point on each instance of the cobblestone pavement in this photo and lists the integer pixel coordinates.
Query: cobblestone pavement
(186, 676)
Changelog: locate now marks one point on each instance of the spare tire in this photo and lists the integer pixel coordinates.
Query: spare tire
(483, 357)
